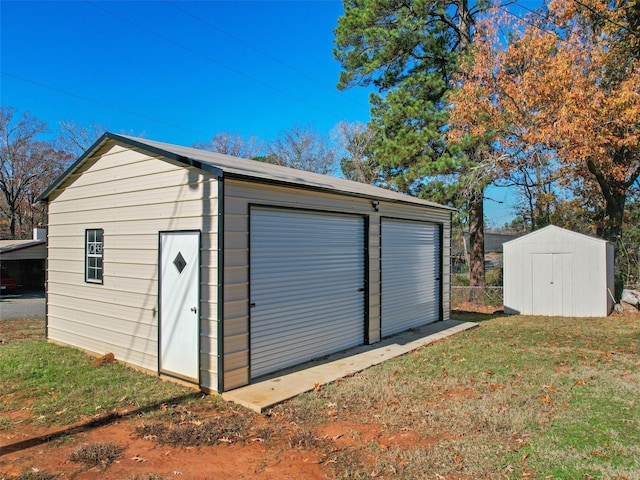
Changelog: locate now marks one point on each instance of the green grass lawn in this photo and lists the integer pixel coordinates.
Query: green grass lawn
(517, 397)
(59, 385)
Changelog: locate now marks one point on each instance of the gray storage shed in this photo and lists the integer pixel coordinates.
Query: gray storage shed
(557, 272)
(218, 270)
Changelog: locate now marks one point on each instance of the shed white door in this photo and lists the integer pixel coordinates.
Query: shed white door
(179, 304)
(307, 286)
(411, 287)
(552, 289)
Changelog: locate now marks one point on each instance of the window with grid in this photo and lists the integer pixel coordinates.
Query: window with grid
(93, 256)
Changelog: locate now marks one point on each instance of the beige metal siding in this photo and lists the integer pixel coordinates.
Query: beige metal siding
(240, 194)
(132, 196)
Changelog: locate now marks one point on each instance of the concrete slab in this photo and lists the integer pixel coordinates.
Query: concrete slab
(275, 389)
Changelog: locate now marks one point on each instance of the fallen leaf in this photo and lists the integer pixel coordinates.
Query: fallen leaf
(524, 457)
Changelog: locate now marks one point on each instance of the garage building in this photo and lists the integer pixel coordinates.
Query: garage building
(218, 270)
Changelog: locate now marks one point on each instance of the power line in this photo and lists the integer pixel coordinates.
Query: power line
(537, 25)
(549, 20)
(96, 102)
(258, 50)
(607, 18)
(213, 60)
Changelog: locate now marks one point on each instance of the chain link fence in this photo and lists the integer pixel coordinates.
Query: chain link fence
(488, 297)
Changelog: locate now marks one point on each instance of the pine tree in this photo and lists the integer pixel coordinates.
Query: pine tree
(409, 51)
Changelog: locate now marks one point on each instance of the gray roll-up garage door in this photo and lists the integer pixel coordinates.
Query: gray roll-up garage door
(410, 275)
(306, 286)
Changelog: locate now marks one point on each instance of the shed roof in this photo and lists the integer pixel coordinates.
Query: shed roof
(234, 167)
(7, 246)
(553, 228)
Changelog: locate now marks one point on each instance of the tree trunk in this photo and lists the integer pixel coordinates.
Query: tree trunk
(12, 222)
(611, 230)
(476, 238)
(476, 197)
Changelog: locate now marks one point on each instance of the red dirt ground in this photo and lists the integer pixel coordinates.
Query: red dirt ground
(143, 457)
(26, 447)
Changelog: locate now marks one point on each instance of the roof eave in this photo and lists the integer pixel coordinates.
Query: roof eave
(15, 248)
(44, 196)
(268, 181)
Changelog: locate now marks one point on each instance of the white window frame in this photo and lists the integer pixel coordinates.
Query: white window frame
(93, 255)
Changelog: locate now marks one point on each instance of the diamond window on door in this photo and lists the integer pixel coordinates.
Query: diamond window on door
(179, 262)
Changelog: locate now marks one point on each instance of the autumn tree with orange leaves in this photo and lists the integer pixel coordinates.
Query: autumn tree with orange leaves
(558, 92)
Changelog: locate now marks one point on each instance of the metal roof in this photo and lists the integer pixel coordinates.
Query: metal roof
(234, 167)
(7, 246)
(542, 231)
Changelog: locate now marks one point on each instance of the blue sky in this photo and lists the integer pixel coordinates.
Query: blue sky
(180, 71)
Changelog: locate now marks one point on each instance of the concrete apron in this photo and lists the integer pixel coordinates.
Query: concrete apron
(275, 389)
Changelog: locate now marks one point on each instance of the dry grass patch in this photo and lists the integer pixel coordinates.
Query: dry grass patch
(194, 433)
(21, 330)
(349, 464)
(36, 474)
(149, 477)
(305, 439)
(98, 455)
(263, 433)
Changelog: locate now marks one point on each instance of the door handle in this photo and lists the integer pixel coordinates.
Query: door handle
(194, 309)
(361, 289)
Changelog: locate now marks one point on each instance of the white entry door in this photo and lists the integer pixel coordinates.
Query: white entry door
(179, 304)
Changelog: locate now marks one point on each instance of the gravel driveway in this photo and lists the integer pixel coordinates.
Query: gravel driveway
(22, 305)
